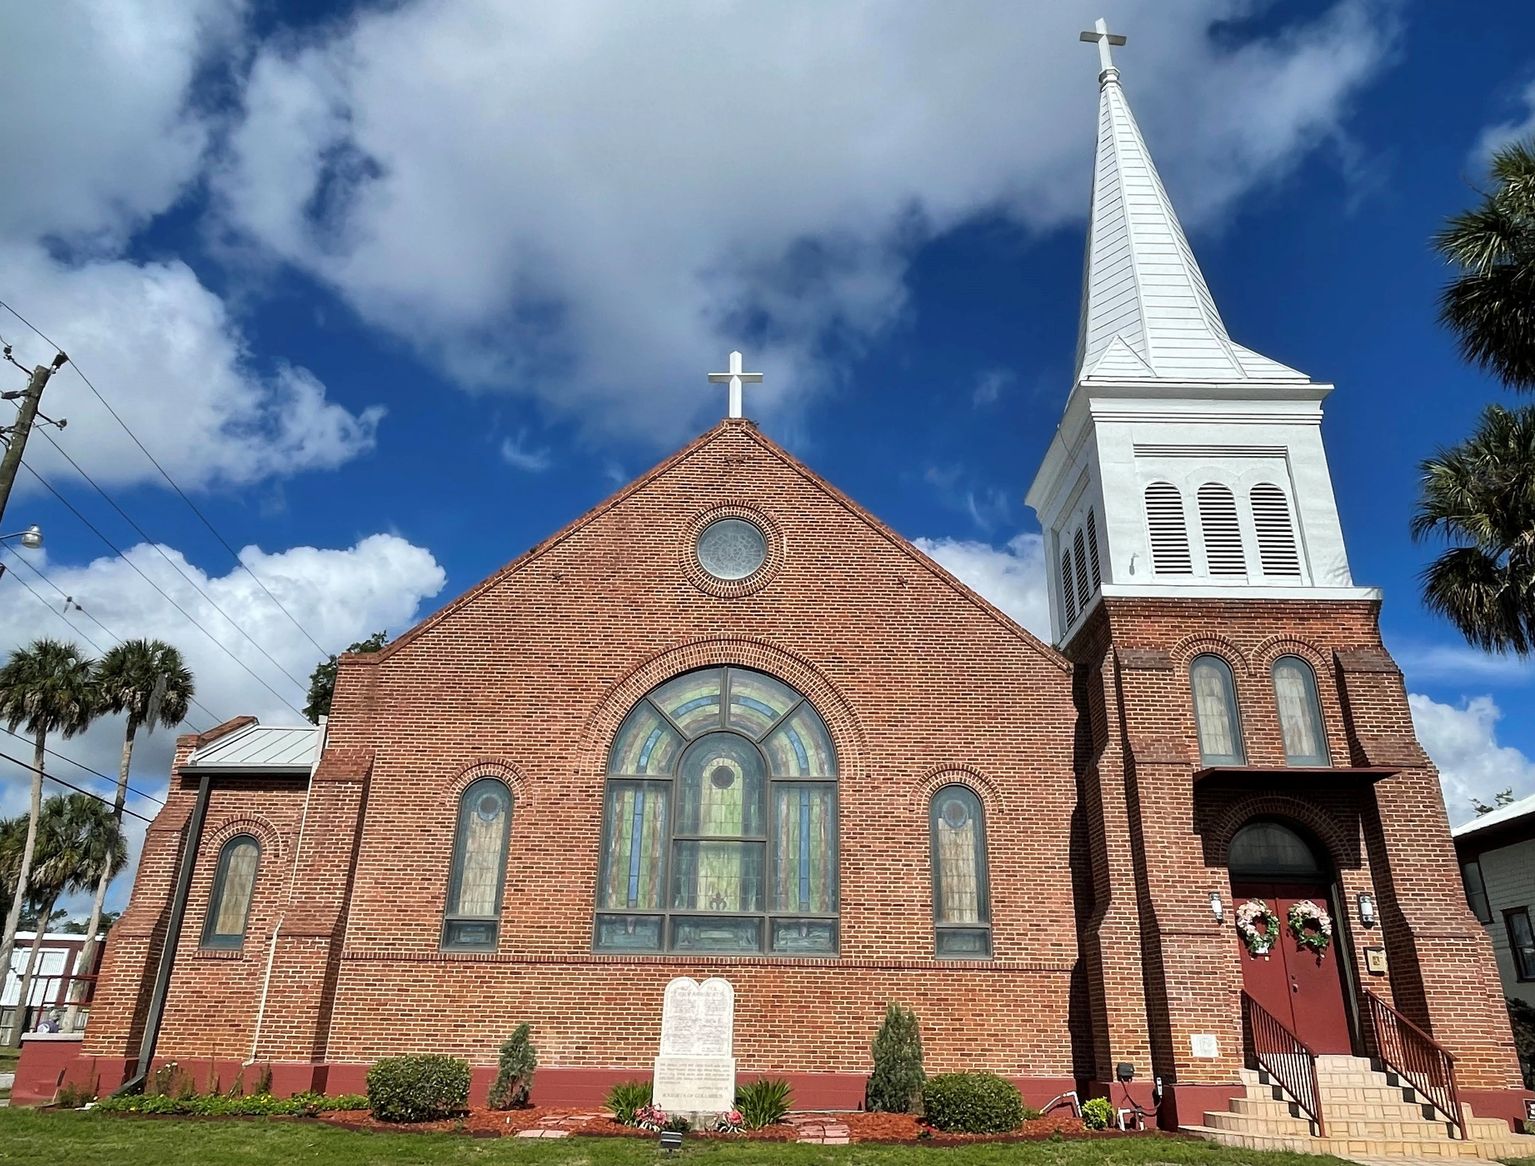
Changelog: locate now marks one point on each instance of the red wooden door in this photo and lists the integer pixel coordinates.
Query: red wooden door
(1303, 989)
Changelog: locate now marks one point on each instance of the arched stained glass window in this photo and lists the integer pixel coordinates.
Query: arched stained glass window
(1215, 712)
(472, 921)
(1300, 712)
(234, 883)
(961, 912)
(720, 830)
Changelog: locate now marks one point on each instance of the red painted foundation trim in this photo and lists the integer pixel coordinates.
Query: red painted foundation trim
(40, 1069)
(1187, 1104)
(1505, 1103)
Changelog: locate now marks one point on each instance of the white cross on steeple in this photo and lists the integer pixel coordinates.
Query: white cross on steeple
(1100, 33)
(735, 378)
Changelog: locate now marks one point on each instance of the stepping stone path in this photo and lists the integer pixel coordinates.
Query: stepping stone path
(562, 1125)
(819, 1128)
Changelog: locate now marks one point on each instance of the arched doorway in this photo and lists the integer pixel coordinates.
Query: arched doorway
(1272, 863)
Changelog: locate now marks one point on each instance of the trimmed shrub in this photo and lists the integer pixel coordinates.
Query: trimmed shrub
(895, 1086)
(763, 1103)
(420, 1088)
(214, 1105)
(972, 1103)
(626, 1099)
(514, 1078)
(1097, 1112)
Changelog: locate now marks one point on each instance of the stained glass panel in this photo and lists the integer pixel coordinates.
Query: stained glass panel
(724, 935)
(1215, 711)
(801, 747)
(717, 876)
(719, 790)
(481, 849)
(757, 701)
(967, 942)
(804, 936)
(645, 743)
(629, 932)
(233, 885)
(692, 700)
(804, 842)
(1300, 717)
(636, 845)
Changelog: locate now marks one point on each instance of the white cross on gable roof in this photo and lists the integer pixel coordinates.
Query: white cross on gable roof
(735, 378)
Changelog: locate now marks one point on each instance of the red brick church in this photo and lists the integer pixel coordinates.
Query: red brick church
(729, 723)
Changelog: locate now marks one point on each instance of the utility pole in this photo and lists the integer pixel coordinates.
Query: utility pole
(31, 398)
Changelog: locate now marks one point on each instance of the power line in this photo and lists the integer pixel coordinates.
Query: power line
(175, 566)
(213, 717)
(81, 765)
(189, 617)
(203, 518)
(69, 785)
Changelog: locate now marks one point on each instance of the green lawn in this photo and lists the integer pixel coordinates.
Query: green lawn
(46, 1139)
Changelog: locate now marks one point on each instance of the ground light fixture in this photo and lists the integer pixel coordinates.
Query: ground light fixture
(671, 1140)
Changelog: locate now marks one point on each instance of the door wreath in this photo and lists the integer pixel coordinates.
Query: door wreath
(1248, 916)
(1306, 912)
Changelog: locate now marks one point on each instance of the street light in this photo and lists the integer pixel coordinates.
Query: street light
(31, 538)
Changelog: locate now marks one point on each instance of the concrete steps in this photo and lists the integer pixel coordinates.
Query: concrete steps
(1368, 1114)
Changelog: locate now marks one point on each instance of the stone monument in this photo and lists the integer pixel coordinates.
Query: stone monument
(696, 1070)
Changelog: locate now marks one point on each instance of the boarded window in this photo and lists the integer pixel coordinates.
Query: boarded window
(1276, 533)
(961, 912)
(1223, 534)
(1168, 530)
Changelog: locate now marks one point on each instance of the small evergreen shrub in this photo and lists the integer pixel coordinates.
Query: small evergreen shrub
(1097, 1112)
(763, 1103)
(514, 1077)
(73, 1096)
(626, 1099)
(895, 1086)
(420, 1088)
(972, 1103)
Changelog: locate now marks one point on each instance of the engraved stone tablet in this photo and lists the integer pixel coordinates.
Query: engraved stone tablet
(696, 1071)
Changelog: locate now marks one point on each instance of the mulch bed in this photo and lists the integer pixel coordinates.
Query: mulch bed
(890, 1128)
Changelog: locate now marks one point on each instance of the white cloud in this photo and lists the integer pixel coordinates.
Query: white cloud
(1519, 128)
(989, 386)
(165, 352)
(1463, 741)
(1010, 576)
(1424, 660)
(586, 203)
(340, 595)
(515, 451)
(99, 133)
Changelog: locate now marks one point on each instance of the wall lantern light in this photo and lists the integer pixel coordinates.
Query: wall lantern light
(1367, 908)
(1217, 908)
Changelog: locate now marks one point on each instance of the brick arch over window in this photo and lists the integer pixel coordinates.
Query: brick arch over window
(486, 767)
(273, 844)
(1339, 851)
(992, 799)
(1205, 644)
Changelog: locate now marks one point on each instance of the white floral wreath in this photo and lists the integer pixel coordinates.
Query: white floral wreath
(1306, 912)
(1248, 915)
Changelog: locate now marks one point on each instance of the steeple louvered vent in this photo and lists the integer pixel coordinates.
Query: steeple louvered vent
(1092, 551)
(1168, 528)
(1084, 592)
(1223, 533)
(1068, 593)
(1276, 532)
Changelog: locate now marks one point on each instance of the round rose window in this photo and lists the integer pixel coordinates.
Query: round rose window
(731, 548)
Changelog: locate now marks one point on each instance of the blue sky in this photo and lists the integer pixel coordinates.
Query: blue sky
(395, 291)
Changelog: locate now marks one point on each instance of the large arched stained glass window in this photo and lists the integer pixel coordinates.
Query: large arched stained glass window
(234, 883)
(472, 921)
(961, 912)
(720, 829)
(1300, 713)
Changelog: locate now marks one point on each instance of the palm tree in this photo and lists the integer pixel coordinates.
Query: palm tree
(48, 687)
(1480, 496)
(78, 841)
(149, 681)
(1490, 305)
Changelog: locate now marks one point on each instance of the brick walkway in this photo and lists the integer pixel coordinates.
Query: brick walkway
(818, 1128)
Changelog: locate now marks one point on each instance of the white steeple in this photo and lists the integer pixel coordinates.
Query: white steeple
(1185, 464)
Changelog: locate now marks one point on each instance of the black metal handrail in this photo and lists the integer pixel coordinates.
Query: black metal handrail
(1285, 1058)
(1416, 1058)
